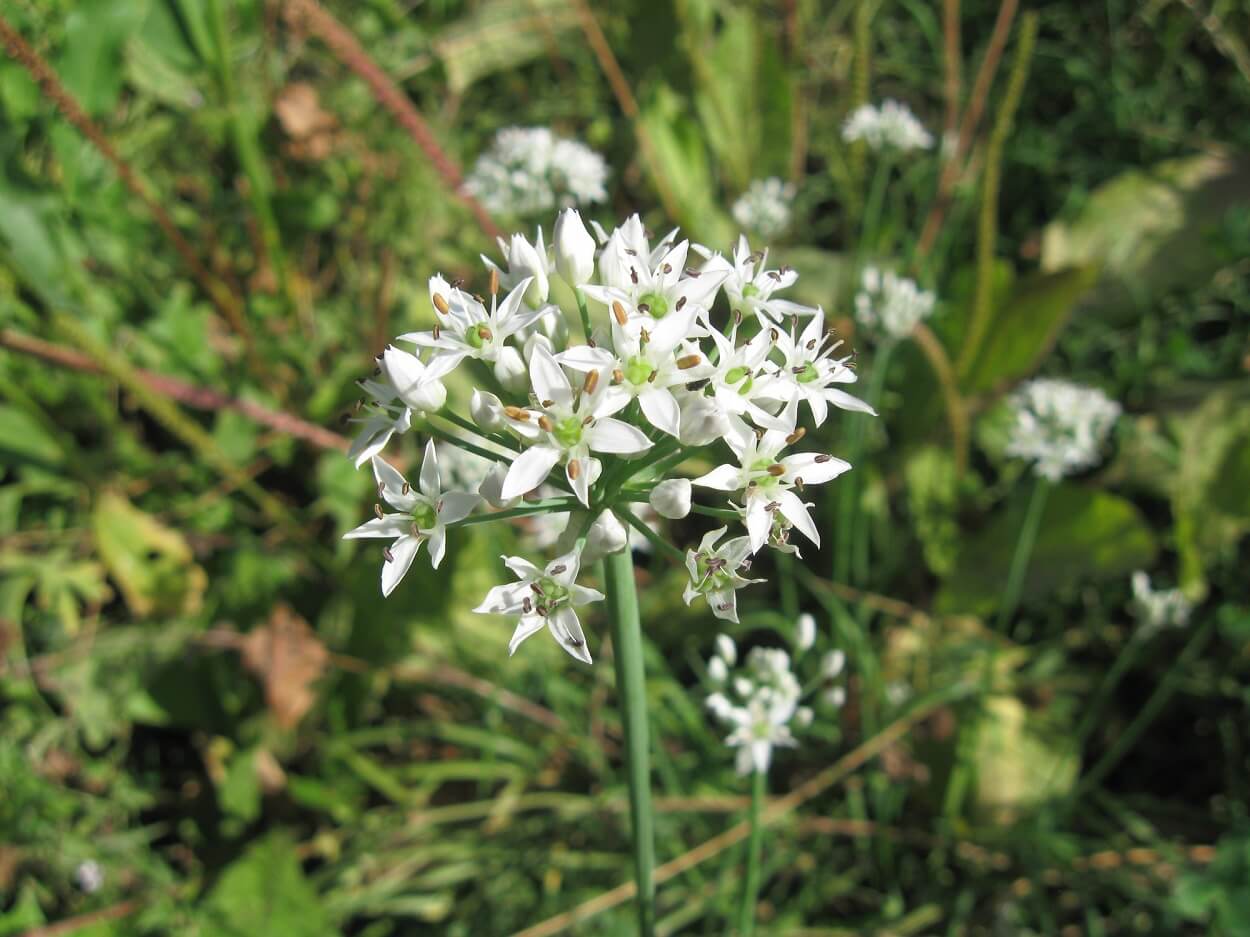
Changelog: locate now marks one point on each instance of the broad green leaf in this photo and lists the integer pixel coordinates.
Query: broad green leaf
(502, 34)
(265, 892)
(151, 563)
(1149, 229)
(1025, 325)
(1085, 535)
(1017, 764)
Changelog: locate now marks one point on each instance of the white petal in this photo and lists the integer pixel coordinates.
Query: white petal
(612, 435)
(844, 401)
(392, 525)
(528, 625)
(583, 595)
(503, 600)
(724, 604)
(813, 468)
(585, 358)
(429, 472)
(456, 506)
(438, 545)
(759, 523)
(522, 568)
(567, 630)
(722, 478)
(392, 485)
(403, 551)
(659, 406)
(549, 380)
(796, 513)
(528, 470)
(580, 484)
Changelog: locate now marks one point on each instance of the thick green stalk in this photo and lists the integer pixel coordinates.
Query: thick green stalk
(845, 548)
(1024, 551)
(583, 312)
(750, 894)
(622, 599)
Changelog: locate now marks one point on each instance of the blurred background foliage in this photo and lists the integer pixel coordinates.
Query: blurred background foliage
(212, 723)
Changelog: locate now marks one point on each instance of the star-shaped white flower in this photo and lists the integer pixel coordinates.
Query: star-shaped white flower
(384, 415)
(758, 727)
(524, 260)
(750, 286)
(741, 379)
(544, 597)
(648, 358)
(716, 573)
(810, 369)
(571, 425)
(422, 515)
(766, 478)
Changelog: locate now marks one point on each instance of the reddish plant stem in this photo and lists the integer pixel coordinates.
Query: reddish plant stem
(25, 55)
(200, 398)
(347, 48)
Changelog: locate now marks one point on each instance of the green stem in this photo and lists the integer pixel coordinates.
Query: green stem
(869, 232)
(1123, 662)
(662, 545)
(848, 488)
(551, 505)
(584, 312)
(447, 437)
(1024, 551)
(622, 600)
(750, 894)
(498, 439)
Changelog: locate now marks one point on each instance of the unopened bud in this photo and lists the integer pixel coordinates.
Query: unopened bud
(574, 248)
(671, 498)
(487, 410)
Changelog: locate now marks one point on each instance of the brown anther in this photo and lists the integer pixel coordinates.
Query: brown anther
(479, 299)
(822, 459)
(545, 424)
(796, 436)
(811, 345)
(619, 311)
(618, 376)
(575, 470)
(388, 555)
(437, 331)
(549, 404)
(651, 377)
(440, 303)
(591, 343)
(377, 510)
(591, 382)
(772, 506)
(773, 274)
(798, 482)
(538, 590)
(686, 362)
(484, 333)
(633, 276)
(692, 272)
(556, 570)
(759, 433)
(644, 336)
(494, 281)
(776, 470)
(542, 610)
(516, 413)
(527, 606)
(405, 488)
(667, 268)
(631, 252)
(587, 420)
(457, 283)
(774, 334)
(681, 302)
(644, 307)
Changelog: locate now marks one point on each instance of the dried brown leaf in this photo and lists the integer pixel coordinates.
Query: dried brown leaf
(288, 658)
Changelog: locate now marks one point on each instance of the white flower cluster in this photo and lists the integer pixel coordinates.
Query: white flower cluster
(891, 125)
(529, 170)
(764, 208)
(1157, 609)
(891, 305)
(761, 700)
(1060, 426)
(592, 431)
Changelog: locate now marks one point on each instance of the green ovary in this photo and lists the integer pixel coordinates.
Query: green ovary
(734, 375)
(657, 305)
(568, 432)
(424, 516)
(553, 595)
(474, 336)
(750, 290)
(808, 374)
(638, 370)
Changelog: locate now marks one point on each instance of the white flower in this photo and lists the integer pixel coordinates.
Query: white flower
(467, 330)
(544, 597)
(810, 369)
(760, 726)
(890, 125)
(461, 469)
(1060, 426)
(529, 170)
(671, 498)
(831, 664)
(890, 304)
(416, 384)
(423, 515)
(766, 478)
(89, 876)
(606, 535)
(765, 207)
(726, 648)
(715, 574)
(804, 632)
(750, 286)
(384, 416)
(648, 359)
(525, 261)
(491, 488)
(572, 425)
(768, 703)
(1158, 609)
(717, 671)
(741, 379)
(574, 248)
(702, 420)
(487, 410)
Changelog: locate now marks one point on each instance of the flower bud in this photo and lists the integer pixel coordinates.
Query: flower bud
(726, 648)
(702, 421)
(671, 498)
(510, 371)
(487, 410)
(803, 717)
(831, 664)
(804, 633)
(606, 535)
(492, 487)
(717, 670)
(524, 261)
(406, 374)
(574, 248)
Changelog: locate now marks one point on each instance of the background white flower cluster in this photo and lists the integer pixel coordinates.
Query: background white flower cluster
(529, 170)
(1060, 426)
(684, 351)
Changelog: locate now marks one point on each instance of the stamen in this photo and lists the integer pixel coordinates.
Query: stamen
(687, 362)
(681, 302)
(667, 268)
(822, 459)
(633, 276)
(405, 488)
(538, 590)
(549, 404)
(545, 423)
(440, 303)
(377, 510)
(796, 436)
(798, 482)
(644, 336)
(692, 272)
(457, 283)
(618, 376)
(494, 281)
(388, 555)
(516, 413)
(557, 570)
(437, 330)
(527, 606)
(619, 311)
(542, 610)
(591, 382)
(776, 470)
(772, 506)
(575, 470)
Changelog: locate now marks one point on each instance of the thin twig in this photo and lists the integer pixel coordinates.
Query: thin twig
(83, 921)
(955, 167)
(199, 398)
(956, 409)
(347, 48)
(611, 69)
(953, 61)
(21, 52)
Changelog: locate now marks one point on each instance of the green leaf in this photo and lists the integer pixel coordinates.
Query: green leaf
(1085, 535)
(502, 34)
(91, 64)
(148, 71)
(1025, 325)
(23, 439)
(151, 563)
(1148, 229)
(265, 892)
(1017, 764)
